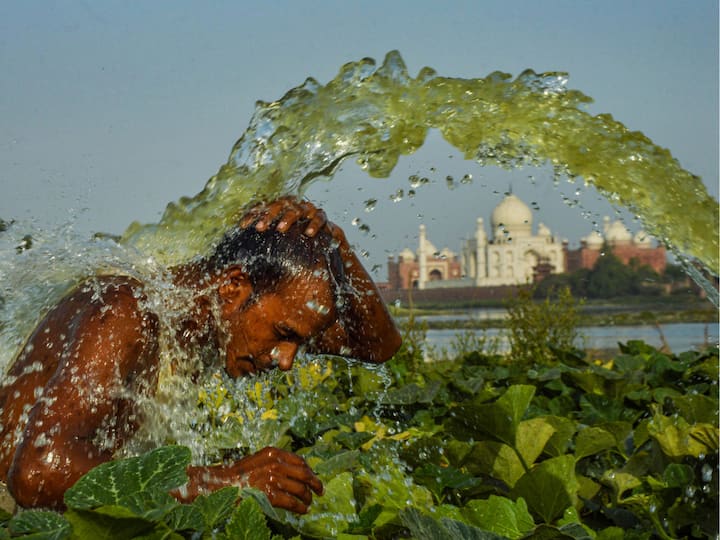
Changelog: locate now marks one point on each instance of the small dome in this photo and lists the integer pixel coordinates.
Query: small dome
(430, 248)
(594, 240)
(543, 230)
(642, 239)
(407, 255)
(447, 254)
(617, 233)
(512, 215)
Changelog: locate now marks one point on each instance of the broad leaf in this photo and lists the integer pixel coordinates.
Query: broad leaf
(591, 441)
(678, 439)
(40, 525)
(438, 479)
(247, 522)
(501, 418)
(116, 482)
(330, 513)
(89, 524)
(550, 487)
(531, 437)
(500, 515)
(427, 528)
(216, 506)
(495, 459)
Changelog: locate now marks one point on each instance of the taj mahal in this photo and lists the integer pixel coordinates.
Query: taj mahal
(512, 254)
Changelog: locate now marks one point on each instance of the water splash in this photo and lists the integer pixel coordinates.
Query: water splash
(375, 115)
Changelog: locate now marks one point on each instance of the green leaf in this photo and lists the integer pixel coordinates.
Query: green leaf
(217, 506)
(500, 515)
(354, 440)
(248, 522)
(89, 524)
(366, 519)
(329, 514)
(531, 437)
(391, 490)
(620, 482)
(565, 428)
(116, 482)
(438, 479)
(501, 418)
(340, 462)
(185, 517)
(550, 487)
(495, 459)
(678, 475)
(678, 439)
(40, 525)
(591, 441)
(426, 528)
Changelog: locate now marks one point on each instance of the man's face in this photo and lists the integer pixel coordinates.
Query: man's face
(268, 329)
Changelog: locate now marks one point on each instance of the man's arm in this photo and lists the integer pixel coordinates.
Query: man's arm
(105, 349)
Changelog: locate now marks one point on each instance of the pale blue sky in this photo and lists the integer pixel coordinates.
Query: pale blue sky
(110, 110)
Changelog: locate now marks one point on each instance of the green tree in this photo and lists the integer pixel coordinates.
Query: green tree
(609, 277)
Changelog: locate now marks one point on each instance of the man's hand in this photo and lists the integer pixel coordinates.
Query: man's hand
(285, 478)
(285, 211)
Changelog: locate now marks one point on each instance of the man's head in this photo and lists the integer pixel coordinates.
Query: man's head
(277, 292)
(283, 290)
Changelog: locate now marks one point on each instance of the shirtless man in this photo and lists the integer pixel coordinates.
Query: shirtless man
(285, 278)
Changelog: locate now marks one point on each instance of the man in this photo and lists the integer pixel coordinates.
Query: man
(285, 278)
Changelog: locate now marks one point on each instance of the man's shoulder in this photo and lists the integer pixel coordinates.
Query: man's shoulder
(103, 298)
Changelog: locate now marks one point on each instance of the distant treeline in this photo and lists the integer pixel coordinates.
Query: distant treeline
(610, 278)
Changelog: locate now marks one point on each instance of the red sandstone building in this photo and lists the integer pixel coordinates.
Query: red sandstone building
(626, 247)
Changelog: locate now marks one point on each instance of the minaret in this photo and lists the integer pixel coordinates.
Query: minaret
(480, 243)
(422, 258)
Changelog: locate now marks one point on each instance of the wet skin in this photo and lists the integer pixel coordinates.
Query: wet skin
(99, 345)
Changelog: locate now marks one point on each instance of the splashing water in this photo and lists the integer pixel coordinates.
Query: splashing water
(377, 115)
(373, 115)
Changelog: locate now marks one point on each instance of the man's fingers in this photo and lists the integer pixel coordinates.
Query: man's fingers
(280, 499)
(318, 219)
(289, 216)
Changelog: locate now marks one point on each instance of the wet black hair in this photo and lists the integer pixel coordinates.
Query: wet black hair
(268, 257)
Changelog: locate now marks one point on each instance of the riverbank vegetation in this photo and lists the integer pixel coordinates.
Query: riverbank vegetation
(552, 443)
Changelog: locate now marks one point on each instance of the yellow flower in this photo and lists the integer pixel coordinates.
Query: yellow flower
(270, 414)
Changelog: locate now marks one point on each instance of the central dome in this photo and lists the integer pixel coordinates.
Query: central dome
(512, 215)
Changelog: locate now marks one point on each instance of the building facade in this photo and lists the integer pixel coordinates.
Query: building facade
(629, 248)
(510, 253)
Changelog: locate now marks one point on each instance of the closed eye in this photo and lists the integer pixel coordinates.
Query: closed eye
(286, 333)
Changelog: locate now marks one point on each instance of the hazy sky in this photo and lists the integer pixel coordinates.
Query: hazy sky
(110, 110)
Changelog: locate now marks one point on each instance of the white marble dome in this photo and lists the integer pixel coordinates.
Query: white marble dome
(617, 233)
(594, 240)
(642, 239)
(512, 215)
(543, 230)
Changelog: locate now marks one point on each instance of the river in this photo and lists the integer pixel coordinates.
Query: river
(678, 336)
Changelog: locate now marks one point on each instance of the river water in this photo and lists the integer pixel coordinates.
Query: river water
(678, 337)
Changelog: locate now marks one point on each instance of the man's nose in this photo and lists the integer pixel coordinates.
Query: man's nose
(283, 354)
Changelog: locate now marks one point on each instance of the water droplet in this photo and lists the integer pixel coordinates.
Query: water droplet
(370, 205)
(707, 473)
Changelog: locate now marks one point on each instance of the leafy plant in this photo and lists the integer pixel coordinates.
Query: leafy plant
(538, 329)
(484, 446)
